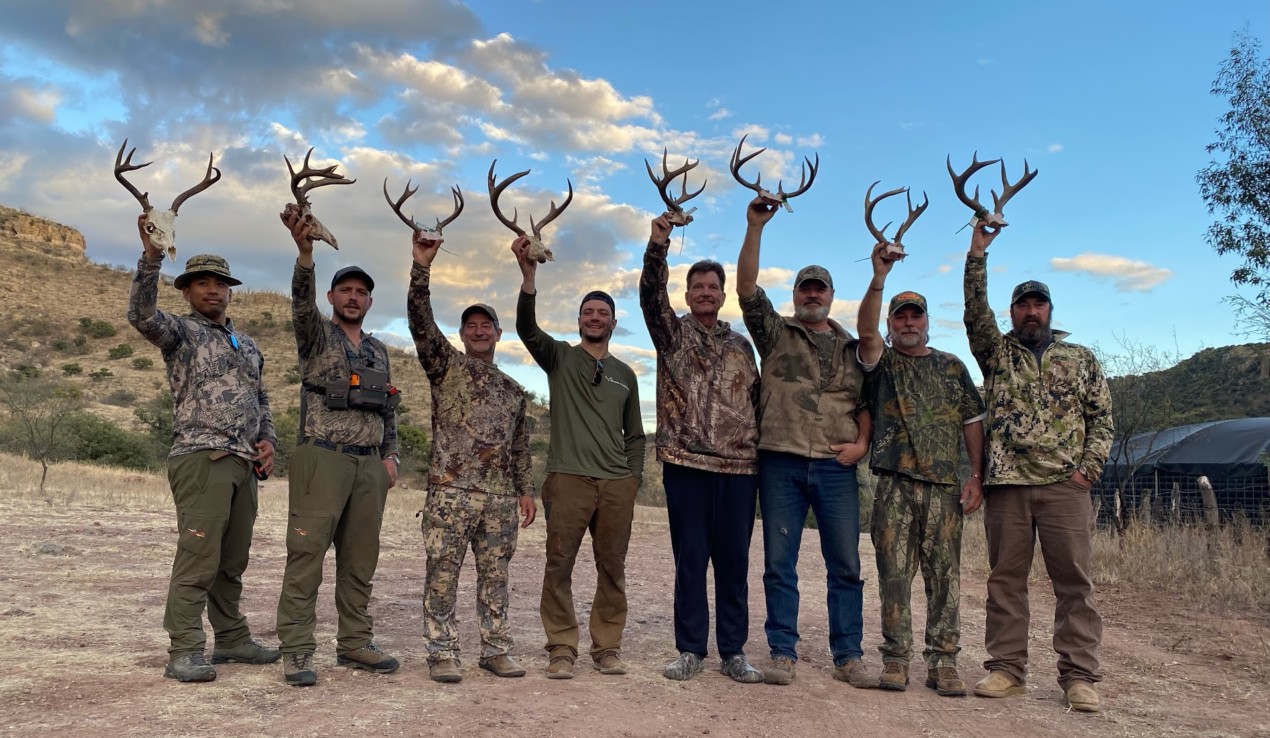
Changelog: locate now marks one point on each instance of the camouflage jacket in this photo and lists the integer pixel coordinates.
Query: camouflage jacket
(920, 406)
(480, 440)
(801, 410)
(707, 383)
(1044, 422)
(326, 355)
(215, 374)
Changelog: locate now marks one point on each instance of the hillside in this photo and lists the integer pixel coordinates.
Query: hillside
(1214, 384)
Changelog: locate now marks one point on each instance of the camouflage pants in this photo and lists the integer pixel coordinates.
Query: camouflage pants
(453, 519)
(918, 523)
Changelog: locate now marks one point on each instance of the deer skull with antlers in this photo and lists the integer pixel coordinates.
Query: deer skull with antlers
(780, 197)
(894, 249)
(674, 205)
(1008, 190)
(307, 179)
(160, 225)
(537, 250)
(414, 224)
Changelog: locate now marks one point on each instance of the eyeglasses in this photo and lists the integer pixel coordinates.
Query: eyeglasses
(599, 373)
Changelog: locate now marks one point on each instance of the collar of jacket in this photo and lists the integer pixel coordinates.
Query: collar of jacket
(797, 324)
(201, 318)
(1059, 336)
(720, 326)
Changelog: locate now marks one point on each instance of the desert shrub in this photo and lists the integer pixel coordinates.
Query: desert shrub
(120, 398)
(72, 369)
(100, 374)
(39, 327)
(61, 344)
(292, 376)
(142, 362)
(122, 351)
(96, 328)
(415, 448)
(95, 439)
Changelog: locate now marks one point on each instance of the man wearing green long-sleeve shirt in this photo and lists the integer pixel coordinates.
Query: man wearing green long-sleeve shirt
(593, 472)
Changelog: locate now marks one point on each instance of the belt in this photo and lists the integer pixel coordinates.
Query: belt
(341, 448)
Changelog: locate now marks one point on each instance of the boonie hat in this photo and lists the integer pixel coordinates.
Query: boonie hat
(813, 271)
(907, 298)
(479, 308)
(353, 272)
(205, 264)
(1030, 287)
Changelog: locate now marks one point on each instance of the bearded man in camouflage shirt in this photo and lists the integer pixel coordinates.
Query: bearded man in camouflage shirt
(479, 481)
(221, 427)
(924, 406)
(1049, 433)
(707, 441)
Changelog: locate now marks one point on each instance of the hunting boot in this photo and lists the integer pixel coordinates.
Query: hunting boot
(370, 658)
(189, 667)
(250, 652)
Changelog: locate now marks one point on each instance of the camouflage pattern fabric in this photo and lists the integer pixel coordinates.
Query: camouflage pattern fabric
(1046, 421)
(215, 374)
(707, 383)
(480, 440)
(802, 410)
(916, 524)
(324, 357)
(920, 405)
(453, 519)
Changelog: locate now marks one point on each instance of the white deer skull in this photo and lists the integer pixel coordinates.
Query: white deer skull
(160, 225)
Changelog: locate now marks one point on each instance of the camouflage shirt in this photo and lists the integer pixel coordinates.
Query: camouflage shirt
(803, 409)
(215, 374)
(326, 355)
(1044, 421)
(707, 383)
(480, 441)
(920, 405)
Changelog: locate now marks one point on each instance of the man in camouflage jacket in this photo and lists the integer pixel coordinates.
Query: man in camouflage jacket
(924, 406)
(221, 427)
(707, 441)
(479, 479)
(1049, 433)
(343, 466)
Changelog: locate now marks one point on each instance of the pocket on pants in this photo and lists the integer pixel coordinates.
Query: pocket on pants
(308, 534)
(200, 534)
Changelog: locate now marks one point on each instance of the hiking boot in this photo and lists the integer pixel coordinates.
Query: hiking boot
(189, 667)
(894, 676)
(855, 673)
(945, 681)
(250, 652)
(610, 663)
(297, 669)
(739, 669)
(370, 658)
(502, 665)
(561, 667)
(445, 671)
(997, 684)
(683, 668)
(1082, 697)
(780, 671)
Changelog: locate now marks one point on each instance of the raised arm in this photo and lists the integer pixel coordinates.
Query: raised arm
(981, 324)
(153, 324)
(871, 341)
(310, 333)
(653, 299)
(432, 347)
(757, 213)
(538, 342)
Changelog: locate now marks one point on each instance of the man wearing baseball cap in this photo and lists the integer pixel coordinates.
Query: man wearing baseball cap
(221, 427)
(479, 483)
(924, 406)
(1049, 434)
(812, 432)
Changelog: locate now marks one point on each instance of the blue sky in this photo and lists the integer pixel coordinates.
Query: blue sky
(1110, 101)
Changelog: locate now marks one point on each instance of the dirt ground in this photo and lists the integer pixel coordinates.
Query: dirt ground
(82, 587)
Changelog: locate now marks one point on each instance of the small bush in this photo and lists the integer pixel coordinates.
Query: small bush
(39, 327)
(81, 341)
(120, 398)
(100, 374)
(122, 351)
(95, 439)
(72, 369)
(96, 328)
(61, 344)
(293, 375)
(142, 362)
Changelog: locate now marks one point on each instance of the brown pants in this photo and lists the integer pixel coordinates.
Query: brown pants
(574, 505)
(1059, 515)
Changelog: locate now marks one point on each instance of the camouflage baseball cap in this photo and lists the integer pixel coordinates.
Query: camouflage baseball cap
(479, 308)
(205, 264)
(813, 271)
(906, 298)
(1030, 287)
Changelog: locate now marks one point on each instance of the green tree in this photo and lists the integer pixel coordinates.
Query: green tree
(38, 415)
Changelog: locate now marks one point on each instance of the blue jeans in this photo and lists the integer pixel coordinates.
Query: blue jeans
(788, 485)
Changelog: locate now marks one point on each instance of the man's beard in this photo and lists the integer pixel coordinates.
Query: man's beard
(809, 313)
(605, 336)
(910, 340)
(1033, 334)
(341, 313)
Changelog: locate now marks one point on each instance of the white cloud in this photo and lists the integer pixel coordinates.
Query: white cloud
(720, 114)
(1127, 275)
(1054, 148)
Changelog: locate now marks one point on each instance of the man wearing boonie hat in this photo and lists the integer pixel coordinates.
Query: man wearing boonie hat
(1049, 434)
(221, 427)
(924, 406)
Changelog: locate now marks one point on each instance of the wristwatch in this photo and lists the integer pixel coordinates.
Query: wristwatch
(396, 459)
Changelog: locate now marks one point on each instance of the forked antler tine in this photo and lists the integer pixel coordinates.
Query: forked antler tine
(124, 164)
(496, 189)
(458, 208)
(913, 214)
(870, 203)
(1008, 190)
(208, 181)
(552, 215)
(316, 178)
(959, 181)
(684, 195)
(673, 204)
(738, 161)
(396, 206)
(804, 182)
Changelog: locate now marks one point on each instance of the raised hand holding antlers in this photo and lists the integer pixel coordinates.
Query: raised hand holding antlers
(994, 219)
(307, 179)
(780, 197)
(894, 249)
(537, 251)
(160, 225)
(674, 205)
(417, 227)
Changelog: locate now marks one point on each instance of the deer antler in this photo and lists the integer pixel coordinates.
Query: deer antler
(780, 197)
(160, 226)
(674, 206)
(870, 203)
(537, 250)
(893, 246)
(1009, 190)
(208, 181)
(959, 183)
(123, 165)
(410, 221)
(315, 178)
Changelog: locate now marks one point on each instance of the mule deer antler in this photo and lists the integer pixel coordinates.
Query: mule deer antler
(1010, 190)
(537, 250)
(998, 203)
(160, 225)
(302, 182)
(415, 225)
(893, 247)
(780, 197)
(674, 205)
